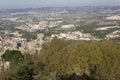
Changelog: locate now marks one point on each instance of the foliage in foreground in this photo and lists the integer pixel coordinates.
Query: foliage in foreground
(99, 60)
(70, 60)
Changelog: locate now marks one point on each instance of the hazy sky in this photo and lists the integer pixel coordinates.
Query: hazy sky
(6, 4)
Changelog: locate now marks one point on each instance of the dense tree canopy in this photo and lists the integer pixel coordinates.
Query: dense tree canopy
(62, 59)
(12, 56)
(21, 67)
(98, 60)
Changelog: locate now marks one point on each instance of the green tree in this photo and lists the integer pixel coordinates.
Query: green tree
(13, 56)
(97, 60)
(24, 70)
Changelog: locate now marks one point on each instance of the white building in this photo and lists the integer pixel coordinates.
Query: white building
(67, 26)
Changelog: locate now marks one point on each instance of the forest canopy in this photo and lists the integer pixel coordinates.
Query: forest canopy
(63, 59)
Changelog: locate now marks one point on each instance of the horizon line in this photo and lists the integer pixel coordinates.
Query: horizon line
(61, 7)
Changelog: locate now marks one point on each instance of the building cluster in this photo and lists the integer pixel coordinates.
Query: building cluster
(75, 35)
(10, 41)
(31, 27)
(115, 34)
(14, 41)
(13, 19)
(114, 17)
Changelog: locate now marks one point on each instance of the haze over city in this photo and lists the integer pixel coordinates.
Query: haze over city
(8, 4)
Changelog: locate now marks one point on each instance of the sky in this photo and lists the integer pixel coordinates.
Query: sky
(9, 4)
